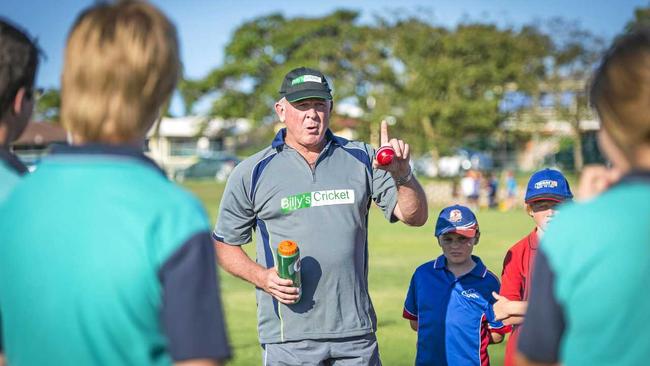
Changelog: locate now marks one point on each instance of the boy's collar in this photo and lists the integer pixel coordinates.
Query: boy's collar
(125, 151)
(12, 161)
(642, 176)
(479, 270)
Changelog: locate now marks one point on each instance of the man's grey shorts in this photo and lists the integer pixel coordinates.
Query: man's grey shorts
(351, 351)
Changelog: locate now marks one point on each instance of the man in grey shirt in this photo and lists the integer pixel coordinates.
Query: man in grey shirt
(314, 188)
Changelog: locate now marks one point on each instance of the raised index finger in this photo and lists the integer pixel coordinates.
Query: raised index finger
(383, 134)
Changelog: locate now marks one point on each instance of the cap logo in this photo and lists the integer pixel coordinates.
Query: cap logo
(306, 78)
(546, 184)
(455, 216)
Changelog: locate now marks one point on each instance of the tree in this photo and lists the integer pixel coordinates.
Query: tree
(263, 50)
(574, 54)
(641, 18)
(452, 80)
(48, 106)
(442, 86)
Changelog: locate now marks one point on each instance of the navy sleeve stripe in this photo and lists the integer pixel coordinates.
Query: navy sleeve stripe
(257, 172)
(360, 155)
(191, 314)
(268, 256)
(217, 237)
(543, 327)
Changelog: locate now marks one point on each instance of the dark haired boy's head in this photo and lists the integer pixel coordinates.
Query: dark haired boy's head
(18, 63)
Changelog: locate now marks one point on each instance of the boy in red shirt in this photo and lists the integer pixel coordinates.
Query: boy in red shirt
(546, 189)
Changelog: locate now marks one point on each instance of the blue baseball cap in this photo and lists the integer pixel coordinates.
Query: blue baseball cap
(457, 219)
(548, 184)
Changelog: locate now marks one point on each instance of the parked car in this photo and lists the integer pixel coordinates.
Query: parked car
(425, 166)
(217, 167)
(462, 160)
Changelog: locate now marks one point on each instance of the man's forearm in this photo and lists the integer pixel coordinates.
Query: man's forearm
(235, 261)
(411, 205)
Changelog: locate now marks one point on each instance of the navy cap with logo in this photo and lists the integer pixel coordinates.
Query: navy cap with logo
(304, 83)
(457, 219)
(548, 184)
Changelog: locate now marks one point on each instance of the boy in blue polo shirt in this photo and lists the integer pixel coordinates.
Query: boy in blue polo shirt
(449, 301)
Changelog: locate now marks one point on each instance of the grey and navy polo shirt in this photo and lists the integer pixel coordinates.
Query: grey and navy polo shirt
(11, 170)
(104, 261)
(325, 210)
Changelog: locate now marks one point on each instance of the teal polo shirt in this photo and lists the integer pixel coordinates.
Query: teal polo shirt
(103, 261)
(589, 302)
(11, 170)
(325, 210)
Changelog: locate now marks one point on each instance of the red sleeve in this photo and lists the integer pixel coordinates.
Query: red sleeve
(511, 277)
(502, 330)
(407, 315)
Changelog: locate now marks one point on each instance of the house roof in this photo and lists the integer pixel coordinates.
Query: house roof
(41, 133)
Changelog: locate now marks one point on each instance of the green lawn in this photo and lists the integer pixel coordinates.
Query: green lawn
(395, 251)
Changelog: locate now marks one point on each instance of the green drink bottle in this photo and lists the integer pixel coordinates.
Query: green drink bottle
(288, 263)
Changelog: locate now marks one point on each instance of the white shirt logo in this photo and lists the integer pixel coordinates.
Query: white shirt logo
(471, 294)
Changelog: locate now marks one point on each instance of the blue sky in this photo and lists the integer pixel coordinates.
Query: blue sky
(205, 26)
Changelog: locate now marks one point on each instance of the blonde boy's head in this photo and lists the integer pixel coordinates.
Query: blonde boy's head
(121, 66)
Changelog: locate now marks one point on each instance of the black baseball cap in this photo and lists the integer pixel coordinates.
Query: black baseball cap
(303, 83)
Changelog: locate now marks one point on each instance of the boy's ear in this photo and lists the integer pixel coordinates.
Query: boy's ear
(18, 105)
(477, 237)
(529, 210)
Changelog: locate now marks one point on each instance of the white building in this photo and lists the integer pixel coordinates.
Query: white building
(176, 143)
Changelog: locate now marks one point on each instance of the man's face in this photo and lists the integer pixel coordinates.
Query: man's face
(456, 248)
(307, 121)
(542, 212)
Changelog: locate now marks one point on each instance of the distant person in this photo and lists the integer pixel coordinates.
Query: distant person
(589, 299)
(18, 64)
(546, 189)
(104, 261)
(449, 301)
(314, 188)
(492, 186)
(469, 185)
(511, 190)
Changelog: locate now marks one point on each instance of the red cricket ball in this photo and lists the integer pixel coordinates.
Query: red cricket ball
(385, 155)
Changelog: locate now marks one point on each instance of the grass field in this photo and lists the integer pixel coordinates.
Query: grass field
(395, 251)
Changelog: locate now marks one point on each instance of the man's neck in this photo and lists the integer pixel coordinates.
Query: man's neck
(310, 154)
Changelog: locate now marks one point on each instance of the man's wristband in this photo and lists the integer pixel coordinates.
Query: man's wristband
(405, 179)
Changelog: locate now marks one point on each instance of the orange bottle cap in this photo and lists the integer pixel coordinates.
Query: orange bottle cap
(287, 247)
